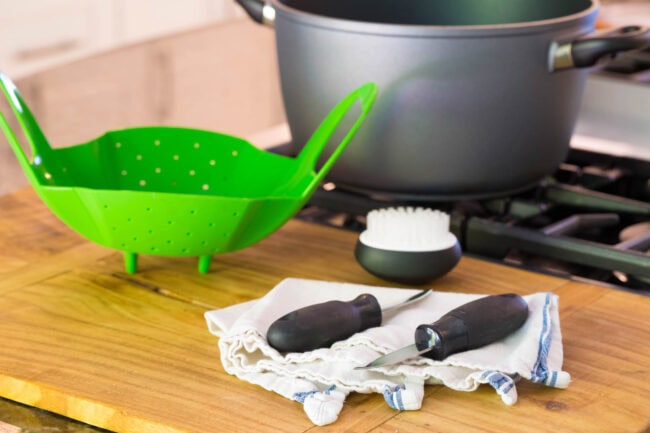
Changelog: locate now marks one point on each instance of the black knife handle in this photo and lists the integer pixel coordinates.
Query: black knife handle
(472, 325)
(320, 325)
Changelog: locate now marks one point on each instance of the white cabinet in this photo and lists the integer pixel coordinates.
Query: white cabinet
(38, 34)
(144, 19)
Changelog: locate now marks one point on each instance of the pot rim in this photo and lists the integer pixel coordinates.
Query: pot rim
(420, 30)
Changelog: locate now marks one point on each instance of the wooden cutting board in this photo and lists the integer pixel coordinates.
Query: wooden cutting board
(132, 353)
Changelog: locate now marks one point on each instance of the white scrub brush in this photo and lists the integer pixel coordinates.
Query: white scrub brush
(407, 245)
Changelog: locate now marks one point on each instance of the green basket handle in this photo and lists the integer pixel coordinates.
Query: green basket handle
(37, 141)
(13, 140)
(308, 157)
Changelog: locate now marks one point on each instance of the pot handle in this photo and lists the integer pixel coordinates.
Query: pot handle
(586, 52)
(260, 11)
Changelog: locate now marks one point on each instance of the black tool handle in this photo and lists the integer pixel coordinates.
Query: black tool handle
(472, 325)
(320, 325)
(586, 52)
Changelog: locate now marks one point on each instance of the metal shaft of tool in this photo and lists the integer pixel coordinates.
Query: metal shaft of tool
(392, 309)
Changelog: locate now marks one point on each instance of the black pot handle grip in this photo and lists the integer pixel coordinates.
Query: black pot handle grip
(255, 10)
(586, 52)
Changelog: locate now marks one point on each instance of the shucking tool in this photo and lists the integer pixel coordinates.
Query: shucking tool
(470, 326)
(323, 324)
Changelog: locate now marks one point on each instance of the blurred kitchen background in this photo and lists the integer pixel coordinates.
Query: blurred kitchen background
(88, 66)
(38, 34)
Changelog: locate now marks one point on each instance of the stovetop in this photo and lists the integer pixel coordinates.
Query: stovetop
(589, 221)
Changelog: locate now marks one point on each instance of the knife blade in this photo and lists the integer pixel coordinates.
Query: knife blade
(323, 324)
(470, 326)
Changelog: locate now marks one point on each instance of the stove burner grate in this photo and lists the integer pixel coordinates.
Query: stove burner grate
(589, 221)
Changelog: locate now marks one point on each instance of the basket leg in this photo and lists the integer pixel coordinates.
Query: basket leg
(130, 262)
(204, 264)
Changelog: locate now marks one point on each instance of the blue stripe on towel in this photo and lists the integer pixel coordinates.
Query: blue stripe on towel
(540, 369)
(502, 383)
(300, 397)
(393, 396)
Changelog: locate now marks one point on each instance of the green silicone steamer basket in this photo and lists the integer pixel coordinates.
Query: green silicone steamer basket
(170, 191)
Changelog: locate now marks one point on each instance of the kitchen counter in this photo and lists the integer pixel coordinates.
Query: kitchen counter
(132, 353)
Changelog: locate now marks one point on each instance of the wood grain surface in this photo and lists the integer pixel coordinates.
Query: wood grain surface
(131, 353)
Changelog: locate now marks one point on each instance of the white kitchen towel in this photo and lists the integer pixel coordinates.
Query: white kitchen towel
(322, 378)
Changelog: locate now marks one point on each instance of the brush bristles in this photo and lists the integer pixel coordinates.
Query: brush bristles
(408, 229)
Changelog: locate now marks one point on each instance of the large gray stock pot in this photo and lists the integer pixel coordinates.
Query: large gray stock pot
(477, 98)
